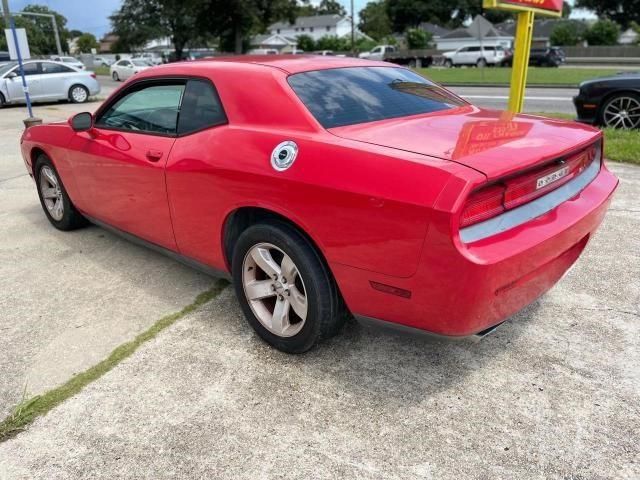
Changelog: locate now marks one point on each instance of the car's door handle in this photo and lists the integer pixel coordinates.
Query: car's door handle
(154, 155)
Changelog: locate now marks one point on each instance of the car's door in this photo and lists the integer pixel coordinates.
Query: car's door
(195, 221)
(32, 77)
(119, 165)
(459, 58)
(54, 80)
(472, 55)
(126, 70)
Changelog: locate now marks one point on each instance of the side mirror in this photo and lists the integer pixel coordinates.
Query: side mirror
(82, 122)
(11, 75)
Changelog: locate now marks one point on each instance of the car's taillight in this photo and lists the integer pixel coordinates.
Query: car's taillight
(492, 200)
(483, 204)
(93, 75)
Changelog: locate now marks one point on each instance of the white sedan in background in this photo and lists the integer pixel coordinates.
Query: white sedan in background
(47, 81)
(125, 68)
(71, 61)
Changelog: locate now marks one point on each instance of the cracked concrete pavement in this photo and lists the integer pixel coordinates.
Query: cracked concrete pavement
(554, 393)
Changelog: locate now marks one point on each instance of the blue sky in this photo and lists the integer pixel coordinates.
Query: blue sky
(93, 15)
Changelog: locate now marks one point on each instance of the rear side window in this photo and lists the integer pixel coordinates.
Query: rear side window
(201, 108)
(348, 96)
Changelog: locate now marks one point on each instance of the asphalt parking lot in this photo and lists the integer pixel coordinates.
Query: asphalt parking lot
(554, 393)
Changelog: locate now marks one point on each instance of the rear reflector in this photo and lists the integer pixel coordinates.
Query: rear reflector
(93, 75)
(381, 287)
(510, 193)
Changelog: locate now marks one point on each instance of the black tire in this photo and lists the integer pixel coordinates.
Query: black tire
(115, 76)
(448, 63)
(325, 311)
(2, 100)
(481, 63)
(71, 218)
(74, 100)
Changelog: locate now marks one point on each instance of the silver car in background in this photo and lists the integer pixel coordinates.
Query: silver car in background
(47, 81)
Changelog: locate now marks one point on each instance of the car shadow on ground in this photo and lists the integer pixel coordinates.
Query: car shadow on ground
(376, 363)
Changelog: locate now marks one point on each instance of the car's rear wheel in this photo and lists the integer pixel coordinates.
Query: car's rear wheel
(115, 76)
(78, 94)
(54, 199)
(481, 63)
(284, 287)
(621, 111)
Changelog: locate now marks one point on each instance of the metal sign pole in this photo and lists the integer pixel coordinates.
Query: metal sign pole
(12, 25)
(524, 35)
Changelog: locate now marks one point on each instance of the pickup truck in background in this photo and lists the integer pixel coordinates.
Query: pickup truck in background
(409, 58)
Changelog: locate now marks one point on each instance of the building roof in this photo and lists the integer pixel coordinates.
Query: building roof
(435, 30)
(542, 28)
(480, 27)
(313, 21)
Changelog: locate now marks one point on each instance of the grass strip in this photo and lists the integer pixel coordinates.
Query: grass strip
(27, 411)
(562, 77)
(619, 145)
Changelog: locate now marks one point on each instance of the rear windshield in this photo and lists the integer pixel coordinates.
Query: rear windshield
(348, 96)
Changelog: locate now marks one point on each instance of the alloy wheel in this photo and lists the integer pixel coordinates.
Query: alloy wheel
(51, 193)
(274, 290)
(622, 112)
(79, 94)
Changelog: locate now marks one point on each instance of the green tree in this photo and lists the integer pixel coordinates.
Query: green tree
(39, 30)
(622, 12)
(331, 42)
(565, 34)
(138, 21)
(75, 33)
(86, 42)
(237, 20)
(417, 38)
(327, 7)
(603, 32)
(374, 20)
(306, 43)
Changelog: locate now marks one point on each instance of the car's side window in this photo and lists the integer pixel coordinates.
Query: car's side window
(29, 69)
(201, 108)
(49, 67)
(147, 109)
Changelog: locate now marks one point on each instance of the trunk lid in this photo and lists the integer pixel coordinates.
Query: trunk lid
(494, 143)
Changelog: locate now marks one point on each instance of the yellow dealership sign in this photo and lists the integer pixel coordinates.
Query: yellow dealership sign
(524, 33)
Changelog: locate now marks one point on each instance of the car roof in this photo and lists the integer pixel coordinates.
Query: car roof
(297, 63)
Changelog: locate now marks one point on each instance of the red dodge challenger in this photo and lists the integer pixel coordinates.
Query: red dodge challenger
(324, 185)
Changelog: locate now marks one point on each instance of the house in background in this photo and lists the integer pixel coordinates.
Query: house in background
(436, 31)
(479, 31)
(542, 29)
(275, 42)
(628, 37)
(316, 27)
(107, 42)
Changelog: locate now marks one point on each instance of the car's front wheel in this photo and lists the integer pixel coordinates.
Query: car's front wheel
(115, 76)
(54, 199)
(621, 111)
(285, 289)
(78, 94)
(448, 63)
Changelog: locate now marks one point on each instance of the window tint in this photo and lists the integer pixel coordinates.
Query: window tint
(463, 49)
(201, 107)
(489, 49)
(48, 67)
(152, 109)
(474, 49)
(347, 96)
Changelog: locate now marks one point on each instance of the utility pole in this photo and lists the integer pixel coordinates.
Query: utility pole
(5, 10)
(353, 31)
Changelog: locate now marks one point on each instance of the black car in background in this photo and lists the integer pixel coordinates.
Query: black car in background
(610, 101)
(540, 57)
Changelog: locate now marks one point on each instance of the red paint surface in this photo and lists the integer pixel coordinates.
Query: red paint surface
(550, 5)
(381, 200)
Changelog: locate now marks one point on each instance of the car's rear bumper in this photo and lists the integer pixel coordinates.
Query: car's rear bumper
(462, 289)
